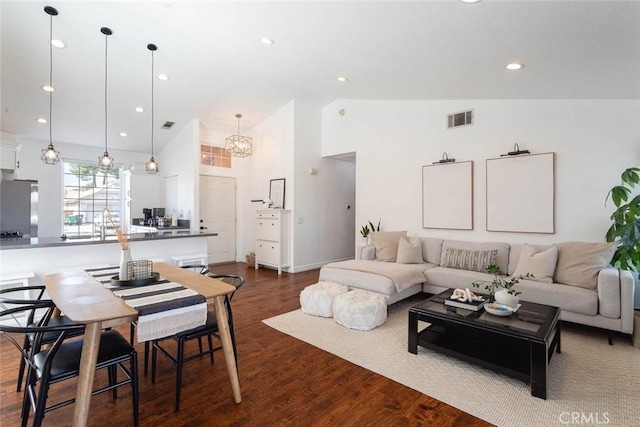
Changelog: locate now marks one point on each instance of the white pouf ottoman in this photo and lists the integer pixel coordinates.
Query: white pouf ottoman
(360, 310)
(318, 299)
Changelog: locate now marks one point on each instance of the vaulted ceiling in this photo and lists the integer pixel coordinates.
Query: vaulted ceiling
(218, 67)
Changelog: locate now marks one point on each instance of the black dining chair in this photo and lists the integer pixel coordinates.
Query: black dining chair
(26, 295)
(201, 269)
(61, 359)
(209, 330)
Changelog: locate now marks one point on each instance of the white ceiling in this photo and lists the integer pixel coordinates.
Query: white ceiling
(218, 67)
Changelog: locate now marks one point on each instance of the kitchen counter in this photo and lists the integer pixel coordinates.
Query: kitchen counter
(48, 242)
(42, 256)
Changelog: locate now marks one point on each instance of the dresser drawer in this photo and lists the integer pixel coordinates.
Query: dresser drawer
(271, 215)
(267, 252)
(268, 229)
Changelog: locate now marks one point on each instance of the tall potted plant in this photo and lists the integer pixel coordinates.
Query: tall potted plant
(625, 227)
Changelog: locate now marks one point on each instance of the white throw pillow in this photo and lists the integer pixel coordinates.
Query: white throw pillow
(386, 243)
(409, 251)
(579, 263)
(541, 264)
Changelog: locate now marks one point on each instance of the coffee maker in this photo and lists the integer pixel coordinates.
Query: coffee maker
(147, 216)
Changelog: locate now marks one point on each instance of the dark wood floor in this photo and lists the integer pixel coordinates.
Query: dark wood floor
(284, 381)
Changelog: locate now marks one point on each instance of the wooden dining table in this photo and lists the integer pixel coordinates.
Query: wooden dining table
(84, 300)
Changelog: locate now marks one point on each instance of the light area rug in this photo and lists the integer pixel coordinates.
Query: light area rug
(589, 383)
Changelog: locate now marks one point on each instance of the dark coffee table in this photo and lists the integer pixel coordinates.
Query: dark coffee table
(519, 345)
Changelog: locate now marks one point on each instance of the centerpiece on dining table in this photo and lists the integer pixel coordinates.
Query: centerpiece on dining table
(130, 273)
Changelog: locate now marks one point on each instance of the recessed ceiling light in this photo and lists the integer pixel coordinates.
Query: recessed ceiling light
(514, 66)
(139, 110)
(471, 1)
(266, 40)
(57, 43)
(163, 77)
(123, 134)
(41, 120)
(342, 79)
(48, 88)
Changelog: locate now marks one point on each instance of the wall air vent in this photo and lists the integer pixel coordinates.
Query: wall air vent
(167, 125)
(464, 118)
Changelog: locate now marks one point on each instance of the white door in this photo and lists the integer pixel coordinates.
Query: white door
(218, 214)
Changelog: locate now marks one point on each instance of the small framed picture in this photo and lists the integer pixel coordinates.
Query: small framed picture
(276, 193)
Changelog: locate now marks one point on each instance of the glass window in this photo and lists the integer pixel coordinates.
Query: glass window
(214, 156)
(87, 191)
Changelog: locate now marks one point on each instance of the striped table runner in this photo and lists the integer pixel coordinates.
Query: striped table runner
(164, 308)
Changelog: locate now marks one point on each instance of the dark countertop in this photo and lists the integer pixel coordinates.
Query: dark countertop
(48, 242)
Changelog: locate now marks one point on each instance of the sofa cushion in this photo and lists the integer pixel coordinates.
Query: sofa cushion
(454, 278)
(431, 249)
(386, 243)
(501, 259)
(409, 251)
(540, 264)
(514, 254)
(580, 262)
(464, 259)
(569, 298)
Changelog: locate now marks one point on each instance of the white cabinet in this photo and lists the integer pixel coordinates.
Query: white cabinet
(7, 156)
(272, 238)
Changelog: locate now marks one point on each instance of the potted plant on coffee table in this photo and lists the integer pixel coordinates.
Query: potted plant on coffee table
(501, 288)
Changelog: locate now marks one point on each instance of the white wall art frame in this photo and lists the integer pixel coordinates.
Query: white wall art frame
(447, 196)
(521, 193)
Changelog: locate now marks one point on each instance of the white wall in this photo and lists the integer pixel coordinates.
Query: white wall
(181, 158)
(322, 224)
(594, 141)
(49, 177)
(272, 158)
(286, 145)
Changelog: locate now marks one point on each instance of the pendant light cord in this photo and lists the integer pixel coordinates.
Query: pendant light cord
(106, 41)
(50, 78)
(152, 104)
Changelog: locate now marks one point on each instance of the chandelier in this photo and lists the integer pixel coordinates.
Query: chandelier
(238, 145)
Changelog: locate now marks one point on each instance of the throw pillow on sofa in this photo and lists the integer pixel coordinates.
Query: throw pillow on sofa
(464, 259)
(409, 251)
(579, 262)
(386, 243)
(541, 264)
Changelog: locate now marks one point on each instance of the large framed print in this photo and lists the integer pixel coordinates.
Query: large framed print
(447, 196)
(521, 193)
(276, 193)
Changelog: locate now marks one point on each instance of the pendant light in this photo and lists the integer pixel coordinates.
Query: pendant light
(50, 155)
(237, 145)
(152, 165)
(105, 162)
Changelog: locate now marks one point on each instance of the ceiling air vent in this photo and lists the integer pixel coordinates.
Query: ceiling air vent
(167, 125)
(464, 118)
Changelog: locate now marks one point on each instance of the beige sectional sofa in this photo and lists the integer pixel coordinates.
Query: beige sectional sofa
(575, 276)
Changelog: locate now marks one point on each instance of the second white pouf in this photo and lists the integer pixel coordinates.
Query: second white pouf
(360, 310)
(318, 299)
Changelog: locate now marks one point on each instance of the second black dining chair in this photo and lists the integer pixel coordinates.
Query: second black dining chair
(27, 295)
(61, 360)
(209, 330)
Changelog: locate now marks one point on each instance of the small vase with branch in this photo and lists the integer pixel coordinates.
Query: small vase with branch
(125, 254)
(501, 288)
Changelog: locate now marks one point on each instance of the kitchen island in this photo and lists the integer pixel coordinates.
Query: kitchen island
(48, 255)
